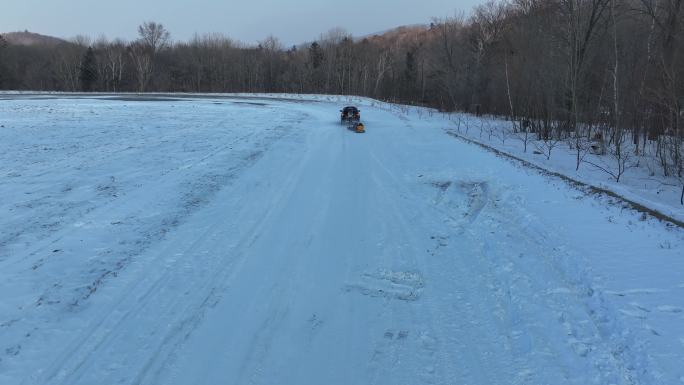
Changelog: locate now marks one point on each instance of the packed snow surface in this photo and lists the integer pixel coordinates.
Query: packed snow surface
(227, 239)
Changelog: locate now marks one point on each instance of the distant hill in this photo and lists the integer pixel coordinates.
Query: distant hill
(399, 30)
(401, 34)
(30, 38)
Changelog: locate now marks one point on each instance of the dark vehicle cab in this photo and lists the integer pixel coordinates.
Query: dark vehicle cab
(350, 114)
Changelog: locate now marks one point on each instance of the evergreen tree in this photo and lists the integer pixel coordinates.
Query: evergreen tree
(316, 55)
(410, 75)
(411, 71)
(88, 75)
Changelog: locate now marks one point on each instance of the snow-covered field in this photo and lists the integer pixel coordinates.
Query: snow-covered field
(253, 240)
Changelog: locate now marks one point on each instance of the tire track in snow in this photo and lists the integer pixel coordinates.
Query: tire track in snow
(80, 358)
(111, 326)
(444, 337)
(513, 277)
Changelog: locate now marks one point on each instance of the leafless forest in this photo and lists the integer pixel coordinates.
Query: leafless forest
(601, 75)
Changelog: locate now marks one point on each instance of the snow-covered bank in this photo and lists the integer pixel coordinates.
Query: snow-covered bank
(249, 239)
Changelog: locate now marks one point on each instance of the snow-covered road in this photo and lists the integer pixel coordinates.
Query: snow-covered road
(245, 240)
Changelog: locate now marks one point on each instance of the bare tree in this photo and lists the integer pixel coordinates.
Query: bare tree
(67, 66)
(113, 61)
(153, 38)
(582, 20)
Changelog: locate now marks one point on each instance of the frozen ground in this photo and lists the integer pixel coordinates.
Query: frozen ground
(253, 240)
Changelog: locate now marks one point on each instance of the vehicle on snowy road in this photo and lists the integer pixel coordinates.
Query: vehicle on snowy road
(350, 114)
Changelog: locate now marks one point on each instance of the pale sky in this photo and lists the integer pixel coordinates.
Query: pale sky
(249, 21)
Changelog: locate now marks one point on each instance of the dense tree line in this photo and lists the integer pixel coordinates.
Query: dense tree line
(577, 71)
